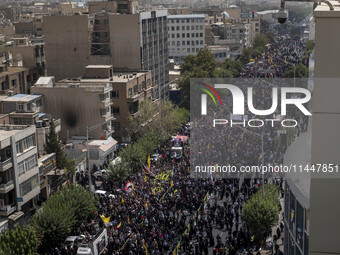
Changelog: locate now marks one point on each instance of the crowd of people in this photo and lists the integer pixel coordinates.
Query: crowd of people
(278, 57)
(196, 215)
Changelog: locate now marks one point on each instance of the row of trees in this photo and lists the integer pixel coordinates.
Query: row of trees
(151, 128)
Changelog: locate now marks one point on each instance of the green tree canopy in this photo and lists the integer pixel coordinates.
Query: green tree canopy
(21, 240)
(53, 145)
(262, 212)
(60, 213)
(301, 71)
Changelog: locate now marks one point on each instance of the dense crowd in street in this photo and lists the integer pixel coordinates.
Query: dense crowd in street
(157, 215)
(278, 57)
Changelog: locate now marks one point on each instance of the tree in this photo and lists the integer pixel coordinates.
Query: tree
(53, 145)
(202, 65)
(234, 66)
(246, 55)
(118, 173)
(301, 71)
(21, 240)
(60, 213)
(70, 168)
(262, 212)
(260, 42)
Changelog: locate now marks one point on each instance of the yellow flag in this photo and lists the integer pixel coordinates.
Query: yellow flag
(145, 178)
(146, 205)
(149, 163)
(133, 187)
(172, 183)
(119, 225)
(128, 220)
(154, 191)
(122, 200)
(133, 193)
(188, 169)
(209, 146)
(105, 220)
(145, 248)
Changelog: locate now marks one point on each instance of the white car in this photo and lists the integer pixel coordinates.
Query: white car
(70, 241)
(104, 193)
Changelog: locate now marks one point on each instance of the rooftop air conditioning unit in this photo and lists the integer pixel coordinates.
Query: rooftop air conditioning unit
(10, 93)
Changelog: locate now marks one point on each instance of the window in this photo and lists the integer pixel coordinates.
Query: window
(130, 92)
(115, 126)
(201, 34)
(14, 83)
(28, 185)
(20, 107)
(183, 35)
(135, 89)
(183, 27)
(106, 21)
(188, 35)
(97, 22)
(115, 94)
(177, 28)
(27, 164)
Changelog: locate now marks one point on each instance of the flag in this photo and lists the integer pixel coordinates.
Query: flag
(149, 163)
(128, 186)
(146, 205)
(128, 220)
(105, 220)
(179, 156)
(122, 200)
(163, 156)
(115, 231)
(119, 225)
(208, 146)
(144, 178)
(154, 191)
(145, 248)
(172, 183)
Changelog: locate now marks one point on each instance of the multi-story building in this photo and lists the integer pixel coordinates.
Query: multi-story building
(126, 91)
(27, 53)
(186, 35)
(11, 12)
(311, 207)
(84, 108)
(19, 185)
(7, 30)
(16, 79)
(112, 34)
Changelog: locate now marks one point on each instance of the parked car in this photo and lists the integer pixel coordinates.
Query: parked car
(70, 241)
(100, 173)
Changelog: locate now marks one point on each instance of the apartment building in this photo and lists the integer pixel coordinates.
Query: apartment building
(111, 34)
(19, 173)
(83, 108)
(15, 79)
(30, 25)
(186, 35)
(7, 30)
(11, 12)
(129, 89)
(26, 53)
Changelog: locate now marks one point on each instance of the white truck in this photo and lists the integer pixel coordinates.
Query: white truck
(96, 245)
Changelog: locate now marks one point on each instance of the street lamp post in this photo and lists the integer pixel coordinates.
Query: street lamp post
(258, 136)
(89, 129)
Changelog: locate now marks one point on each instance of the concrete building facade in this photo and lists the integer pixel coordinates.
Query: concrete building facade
(186, 35)
(19, 169)
(129, 42)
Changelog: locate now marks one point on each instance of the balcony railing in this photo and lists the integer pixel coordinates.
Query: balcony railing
(6, 185)
(5, 161)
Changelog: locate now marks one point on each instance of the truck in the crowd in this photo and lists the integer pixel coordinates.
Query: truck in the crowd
(95, 245)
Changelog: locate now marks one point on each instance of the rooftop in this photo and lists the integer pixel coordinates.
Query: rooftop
(99, 66)
(323, 10)
(187, 16)
(21, 98)
(117, 77)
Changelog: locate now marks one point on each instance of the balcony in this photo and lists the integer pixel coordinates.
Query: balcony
(5, 164)
(8, 209)
(6, 187)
